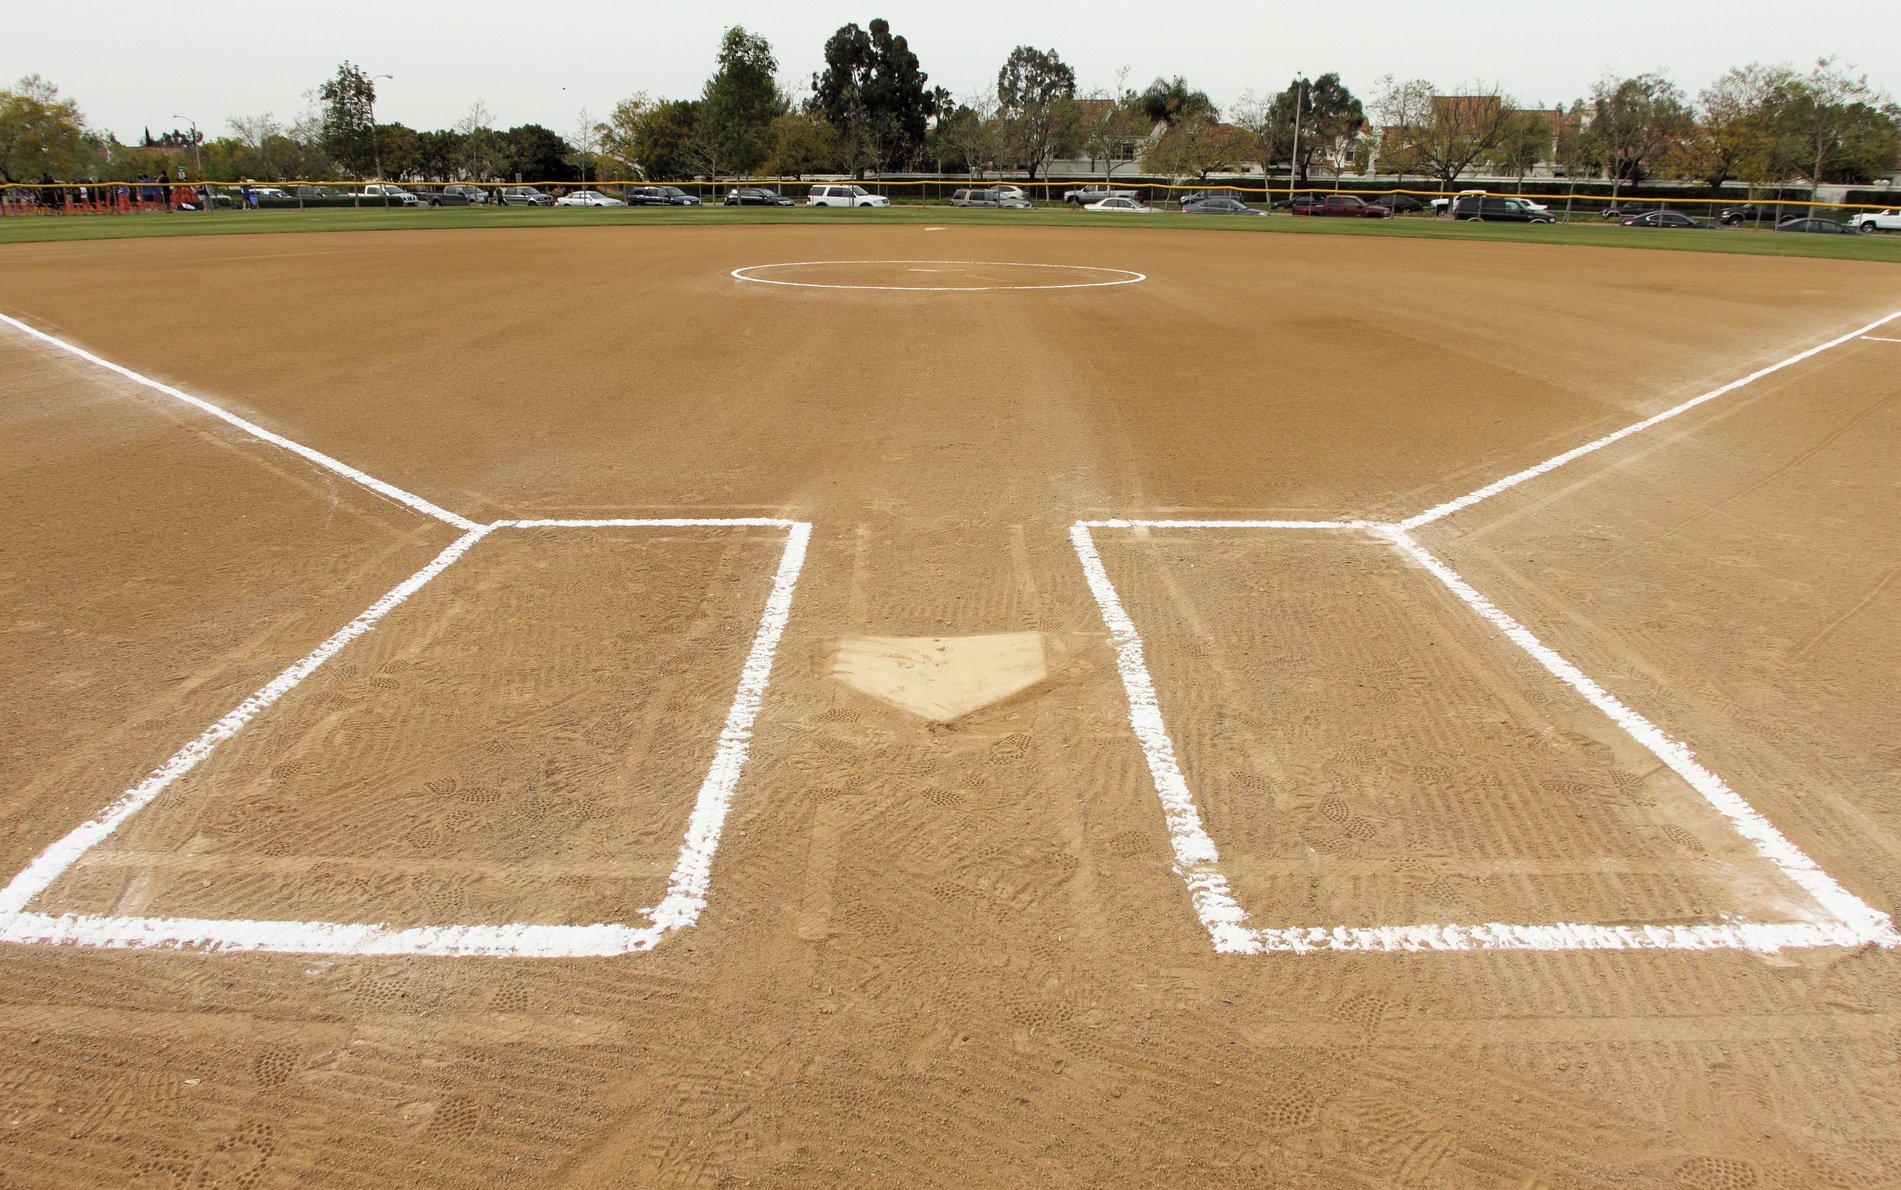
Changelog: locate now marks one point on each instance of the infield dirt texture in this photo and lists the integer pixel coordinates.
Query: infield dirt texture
(966, 952)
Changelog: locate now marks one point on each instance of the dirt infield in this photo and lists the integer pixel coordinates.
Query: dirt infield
(964, 951)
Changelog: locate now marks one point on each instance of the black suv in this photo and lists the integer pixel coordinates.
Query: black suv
(756, 196)
(1492, 208)
(660, 196)
(1761, 212)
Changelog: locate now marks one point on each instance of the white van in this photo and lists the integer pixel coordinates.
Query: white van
(845, 196)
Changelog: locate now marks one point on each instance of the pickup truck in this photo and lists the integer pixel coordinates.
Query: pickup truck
(1878, 221)
(1085, 195)
(387, 195)
(1341, 204)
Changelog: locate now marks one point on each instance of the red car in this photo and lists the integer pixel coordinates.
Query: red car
(1341, 204)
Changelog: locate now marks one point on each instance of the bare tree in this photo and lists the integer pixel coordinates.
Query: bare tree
(1110, 125)
(1440, 135)
(1266, 135)
(972, 133)
(478, 147)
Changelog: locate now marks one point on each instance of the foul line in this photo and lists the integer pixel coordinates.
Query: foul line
(1466, 501)
(686, 892)
(256, 431)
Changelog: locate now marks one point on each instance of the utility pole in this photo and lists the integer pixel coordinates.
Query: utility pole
(1293, 165)
(197, 159)
(376, 145)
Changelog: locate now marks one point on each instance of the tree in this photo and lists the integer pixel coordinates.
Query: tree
(802, 143)
(535, 154)
(1035, 98)
(1634, 121)
(440, 155)
(1194, 148)
(654, 139)
(872, 92)
(1331, 117)
(1833, 126)
(972, 134)
(1259, 123)
(349, 134)
(1734, 133)
(40, 133)
(1170, 101)
(400, 150)
(1110, 125)
(739, 104)
(587, 138)
(1525, 141)
(1439, 135)
(478, 149)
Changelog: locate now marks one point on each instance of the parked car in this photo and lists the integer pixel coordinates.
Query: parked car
(314, 192)
(1878, 221)
(1084, 196)
(1195, 196)
(677, 197)
(1665, 219)
(1347, 205)
(1005, 190)
(1117, 203)
(258, 192)
(525, 196)
(387, 194)
(1220, 206)
(1498, 208)
(1443, 206)
(1625, 210)
(1399, 204)
(988, 196)
(755, 196)
(1824, 226)
(461, 194)
(844, 196)
(1760, 212)
(587, 198)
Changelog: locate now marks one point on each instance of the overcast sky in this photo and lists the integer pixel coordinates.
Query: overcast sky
(136, 64)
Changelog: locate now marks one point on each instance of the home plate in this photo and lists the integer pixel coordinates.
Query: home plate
(941, 678)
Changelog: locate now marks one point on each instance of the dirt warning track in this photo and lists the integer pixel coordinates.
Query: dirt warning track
(944, 934)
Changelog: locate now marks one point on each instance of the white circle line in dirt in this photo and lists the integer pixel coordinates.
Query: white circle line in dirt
(1122, 276)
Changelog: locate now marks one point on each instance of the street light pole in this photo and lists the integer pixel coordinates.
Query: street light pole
(376, 145)
(1293, 163)
(197, 159)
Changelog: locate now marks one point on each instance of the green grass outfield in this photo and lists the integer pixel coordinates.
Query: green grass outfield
(44, 228)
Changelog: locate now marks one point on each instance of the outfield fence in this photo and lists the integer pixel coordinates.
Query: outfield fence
(1566, 205)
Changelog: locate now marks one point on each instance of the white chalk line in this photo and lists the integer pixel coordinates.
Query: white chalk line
(1125, 276)
(1155, 523)
(686, 887)
(1197, 859)
(1879, 339)
(1439, 512)
(381, 488)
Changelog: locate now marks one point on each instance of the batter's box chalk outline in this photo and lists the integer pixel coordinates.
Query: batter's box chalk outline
(1850, 921)
(686, 887)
